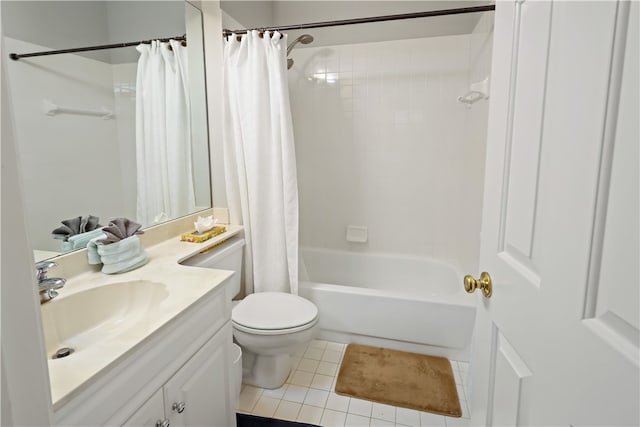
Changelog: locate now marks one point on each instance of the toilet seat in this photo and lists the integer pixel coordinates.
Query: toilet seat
(274, 313)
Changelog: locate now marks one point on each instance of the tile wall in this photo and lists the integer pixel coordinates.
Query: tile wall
(381, 141)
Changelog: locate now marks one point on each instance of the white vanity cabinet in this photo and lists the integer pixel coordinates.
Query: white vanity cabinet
(197, 395)
(185, 361)
(151, 414)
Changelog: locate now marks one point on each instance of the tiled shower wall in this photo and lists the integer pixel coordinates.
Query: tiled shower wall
(382, 142)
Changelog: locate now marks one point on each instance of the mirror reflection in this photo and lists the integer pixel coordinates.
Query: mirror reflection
(111, 132)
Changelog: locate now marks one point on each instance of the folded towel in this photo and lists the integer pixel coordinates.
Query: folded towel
(118, 247)
(92, 250)
(124, 255)
(77, 225)
(126, 265)
(81, 240)
(115, 252)
(119, 229)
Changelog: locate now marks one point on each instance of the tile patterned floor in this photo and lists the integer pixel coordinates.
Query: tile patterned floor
(308, 396)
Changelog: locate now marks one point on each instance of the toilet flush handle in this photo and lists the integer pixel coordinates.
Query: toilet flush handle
(178, 407)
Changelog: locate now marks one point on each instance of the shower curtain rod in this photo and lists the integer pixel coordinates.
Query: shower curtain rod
(16, 56)
(226, 33)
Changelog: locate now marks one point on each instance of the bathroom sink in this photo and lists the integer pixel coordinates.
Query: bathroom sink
(87, 318)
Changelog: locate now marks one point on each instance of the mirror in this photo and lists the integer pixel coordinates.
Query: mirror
(83, 137)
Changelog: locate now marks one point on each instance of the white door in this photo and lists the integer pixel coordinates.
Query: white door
(199, 394)
(557, 342)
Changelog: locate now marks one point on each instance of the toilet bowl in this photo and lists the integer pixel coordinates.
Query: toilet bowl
(270, 327)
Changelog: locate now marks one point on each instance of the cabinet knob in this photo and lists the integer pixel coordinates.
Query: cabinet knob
(163, 423)
(178, 407)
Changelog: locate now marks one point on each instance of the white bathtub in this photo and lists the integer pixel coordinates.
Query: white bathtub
(410, 304)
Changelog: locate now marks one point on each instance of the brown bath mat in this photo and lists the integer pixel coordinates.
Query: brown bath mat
(398, 378)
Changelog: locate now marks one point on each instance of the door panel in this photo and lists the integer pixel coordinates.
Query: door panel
(530, 41)
(512, 386)
(557, 343)
(202, 384)
(613, 297)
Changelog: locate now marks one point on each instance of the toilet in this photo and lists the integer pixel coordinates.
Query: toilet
(268, 326)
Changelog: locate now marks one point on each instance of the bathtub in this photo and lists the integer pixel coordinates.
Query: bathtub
(403, 303)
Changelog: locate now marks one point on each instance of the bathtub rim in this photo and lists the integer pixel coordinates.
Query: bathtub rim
(454, 297)
(458, 298)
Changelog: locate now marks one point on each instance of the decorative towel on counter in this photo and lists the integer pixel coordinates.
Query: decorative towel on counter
(124, 255)
(118, 248)
(77, 225)
(119, 229)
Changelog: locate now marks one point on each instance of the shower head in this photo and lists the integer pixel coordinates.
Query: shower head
(304, 39)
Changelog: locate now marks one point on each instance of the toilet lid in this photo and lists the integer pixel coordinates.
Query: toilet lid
(274, 310)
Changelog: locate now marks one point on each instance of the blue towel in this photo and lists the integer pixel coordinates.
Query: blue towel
(92, 250)
(126, 265)
(124, 255)
(81, 240)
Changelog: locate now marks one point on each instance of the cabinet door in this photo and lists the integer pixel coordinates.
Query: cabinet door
(201, 389)
(149, 414)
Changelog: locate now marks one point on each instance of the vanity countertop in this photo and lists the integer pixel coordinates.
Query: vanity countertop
(181, 286)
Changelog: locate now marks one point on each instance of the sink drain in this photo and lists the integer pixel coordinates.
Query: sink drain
(63, 352)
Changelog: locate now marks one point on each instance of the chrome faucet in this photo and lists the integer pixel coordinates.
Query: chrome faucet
(47, 285)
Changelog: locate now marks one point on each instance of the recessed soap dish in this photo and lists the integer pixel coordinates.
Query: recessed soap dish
(357, 233)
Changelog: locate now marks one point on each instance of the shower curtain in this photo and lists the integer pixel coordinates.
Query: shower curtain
(163, 134)
(260, 165)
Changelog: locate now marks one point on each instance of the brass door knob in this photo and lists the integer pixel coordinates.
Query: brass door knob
(484, 283)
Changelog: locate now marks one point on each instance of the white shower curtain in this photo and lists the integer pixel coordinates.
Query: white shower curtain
(163, 134)
(260, 165)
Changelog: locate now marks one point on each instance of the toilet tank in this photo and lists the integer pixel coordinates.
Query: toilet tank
(226, 256)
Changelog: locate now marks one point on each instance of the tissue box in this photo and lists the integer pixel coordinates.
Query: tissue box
(196, 237)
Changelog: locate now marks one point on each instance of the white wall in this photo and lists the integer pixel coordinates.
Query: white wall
(248, 14)
(212, 22)
(25, 393)
(381, 141)
(141, 20)
(476, 137)
(66, 24)
(58, 24)
(124, 93)
(198, 98)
